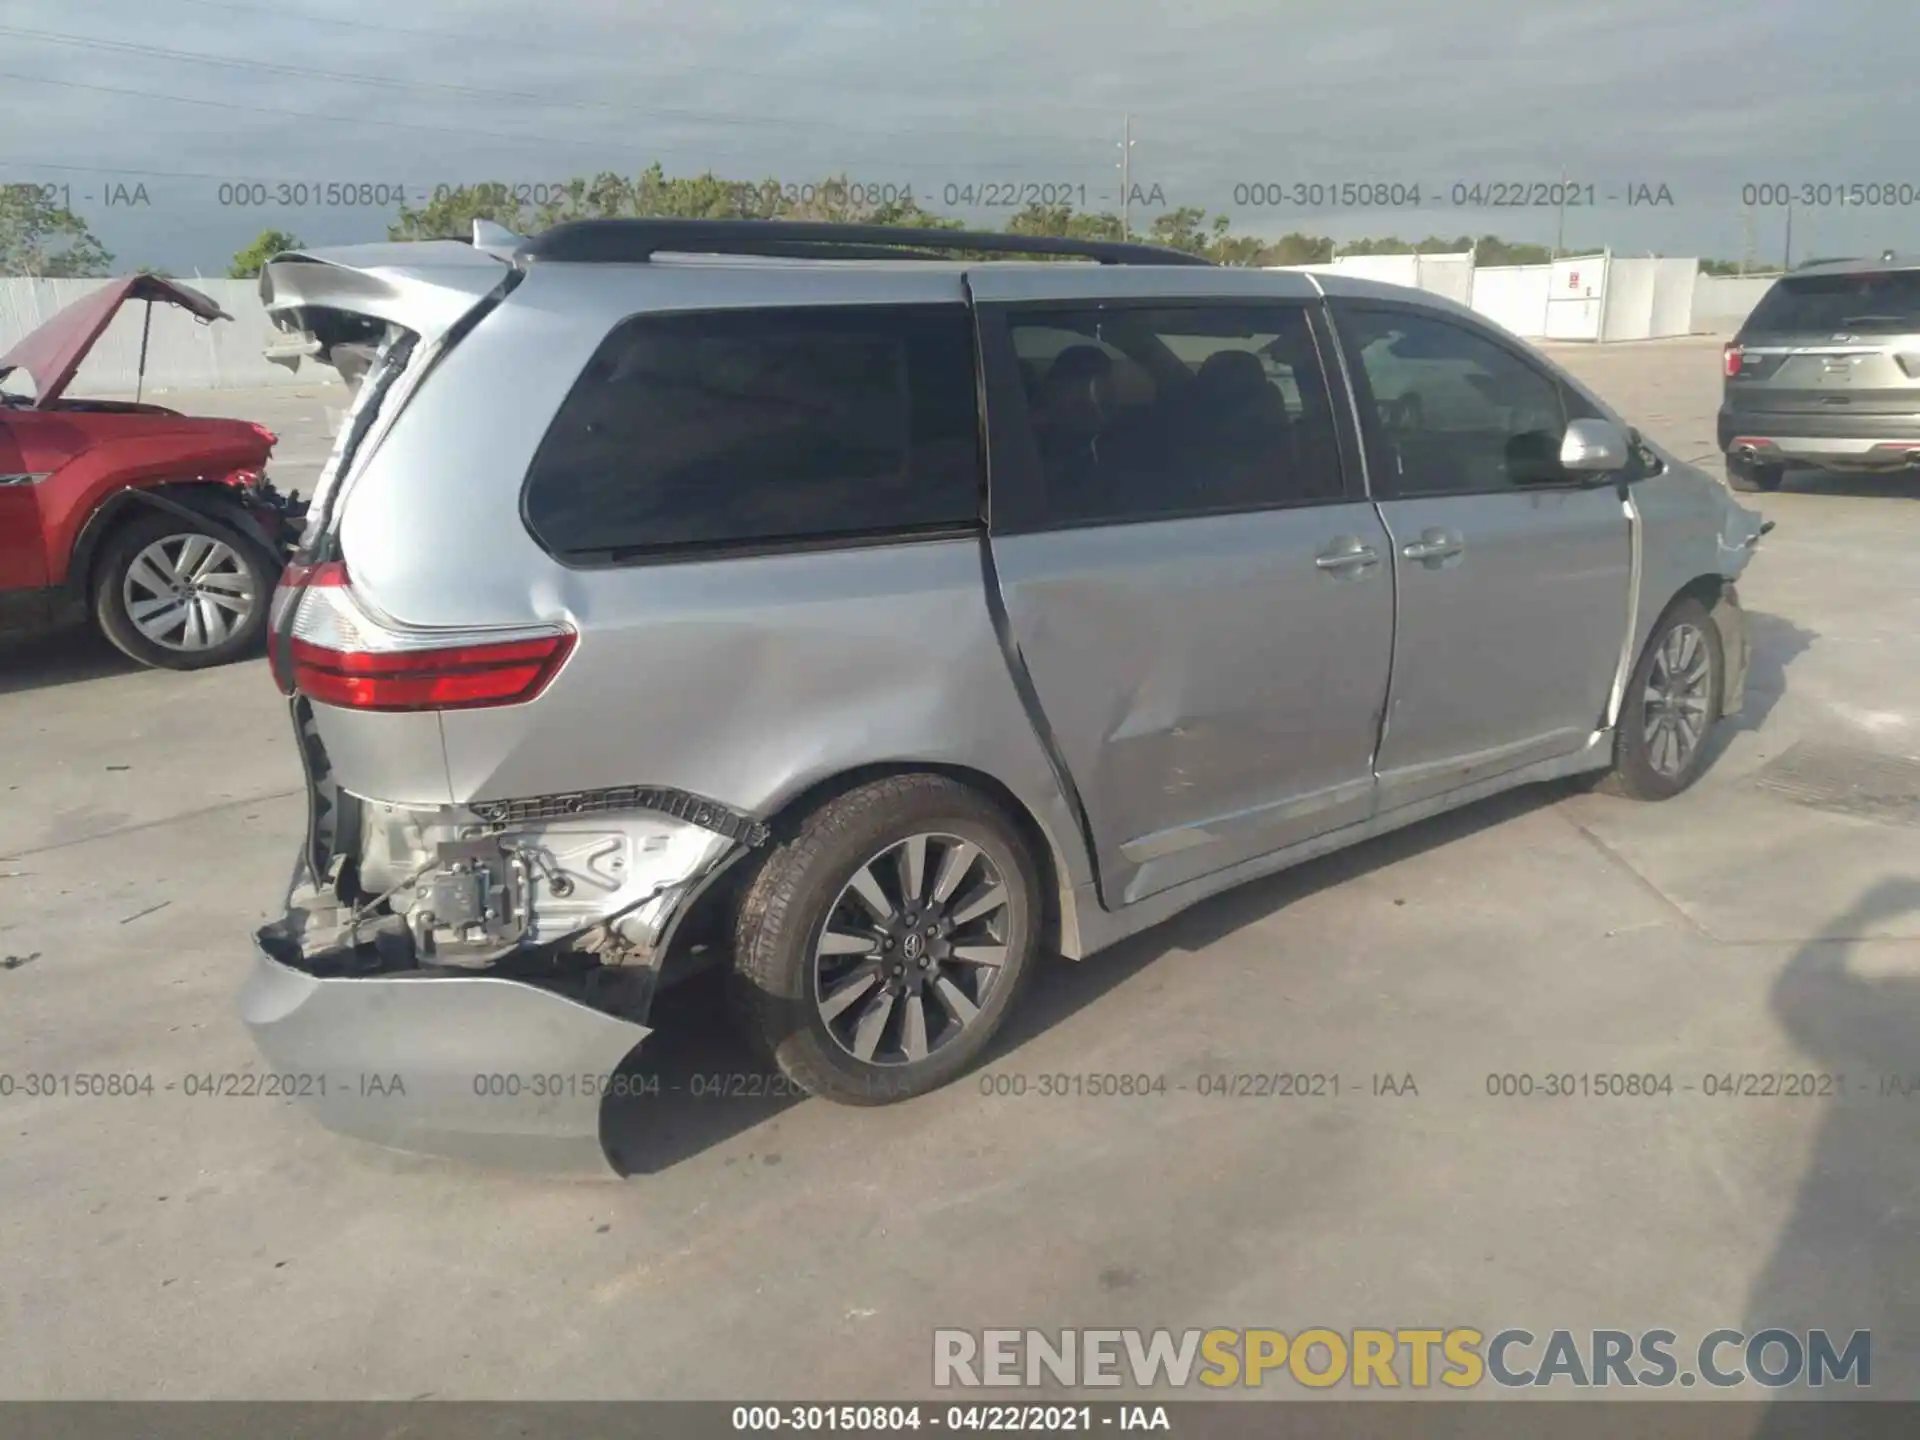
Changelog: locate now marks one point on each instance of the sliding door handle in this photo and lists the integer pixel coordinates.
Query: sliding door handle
(1434, 545)
(1346, 556)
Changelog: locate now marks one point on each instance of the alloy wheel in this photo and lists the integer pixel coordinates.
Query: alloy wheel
(1678, 700)
(911, 949)
(189, 592)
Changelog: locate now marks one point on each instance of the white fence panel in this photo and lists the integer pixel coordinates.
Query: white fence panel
(1577, 298)
(1627, 313)
(1514, 296)
(1721, 303)
(181, 353)
(1673, 292)
(1448, 275)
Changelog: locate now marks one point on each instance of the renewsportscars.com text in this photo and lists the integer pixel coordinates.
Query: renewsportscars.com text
(1459, 1358)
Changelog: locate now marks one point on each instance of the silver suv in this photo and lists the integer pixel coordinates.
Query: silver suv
(1826, 373)
(870, 621)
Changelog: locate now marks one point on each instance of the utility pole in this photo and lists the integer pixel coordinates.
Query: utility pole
(1126, 177)
(1747, 242)
(1560, 232)
(1786, 262)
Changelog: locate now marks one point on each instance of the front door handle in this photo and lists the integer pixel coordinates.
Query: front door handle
(1434, 546)
(1347, 556)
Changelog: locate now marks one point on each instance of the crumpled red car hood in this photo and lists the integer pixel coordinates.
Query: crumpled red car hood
(53, 352)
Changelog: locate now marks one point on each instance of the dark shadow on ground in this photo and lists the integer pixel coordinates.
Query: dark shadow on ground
(1777, 643)
(1849, 1257)
(692, 1085)
(58, 657)
(70, 655)
(699, 1085)
(1893, 485)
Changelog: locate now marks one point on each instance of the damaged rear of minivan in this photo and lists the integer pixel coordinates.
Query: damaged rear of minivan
(540, 734)
(450, 973)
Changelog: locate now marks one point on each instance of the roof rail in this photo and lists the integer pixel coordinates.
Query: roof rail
(632, 241)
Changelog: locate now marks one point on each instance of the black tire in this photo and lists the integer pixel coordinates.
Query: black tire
(802, 885)
(1635, 773)
(1754, 478)
(120, 551)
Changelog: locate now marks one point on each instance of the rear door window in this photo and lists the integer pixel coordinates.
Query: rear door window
(1839, 304)
(757, 428)
(1139, 414)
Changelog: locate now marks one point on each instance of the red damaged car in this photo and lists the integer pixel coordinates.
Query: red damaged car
(160, 526)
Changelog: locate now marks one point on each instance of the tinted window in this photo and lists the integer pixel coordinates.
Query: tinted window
(1835, 304)
(1455, 412)
(745, 427)
(1145, 414)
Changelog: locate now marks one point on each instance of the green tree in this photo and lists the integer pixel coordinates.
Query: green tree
(1492, 250)
(1064, 222)
(655, 194)
(1298, 249)
(1184, 228)
(267, 244)
(40, 238)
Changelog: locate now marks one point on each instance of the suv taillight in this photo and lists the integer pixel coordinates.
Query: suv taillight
(338, 653)
(1731, 357)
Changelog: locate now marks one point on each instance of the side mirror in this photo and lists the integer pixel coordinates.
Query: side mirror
(1594, 447)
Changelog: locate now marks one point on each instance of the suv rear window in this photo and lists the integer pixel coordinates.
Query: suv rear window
(1831, 304)
(753, 427)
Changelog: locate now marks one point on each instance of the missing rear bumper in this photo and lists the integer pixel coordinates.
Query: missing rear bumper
(480, 1067)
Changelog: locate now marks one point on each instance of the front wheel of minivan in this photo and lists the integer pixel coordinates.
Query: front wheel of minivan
(882, 944)
(1671, 704)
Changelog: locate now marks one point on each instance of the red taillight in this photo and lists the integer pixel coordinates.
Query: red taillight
(294, 579)
(455, 678)
(329, 574)
(338, 653)
(1732, 358)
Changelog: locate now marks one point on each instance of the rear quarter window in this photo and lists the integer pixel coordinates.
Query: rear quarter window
(755, 428)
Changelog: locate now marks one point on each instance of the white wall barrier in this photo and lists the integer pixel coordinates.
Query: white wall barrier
(1514, 296)
(182, 354)
(1722, 302)
(1579, 298)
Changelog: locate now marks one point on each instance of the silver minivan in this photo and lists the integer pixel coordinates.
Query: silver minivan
(868, 612)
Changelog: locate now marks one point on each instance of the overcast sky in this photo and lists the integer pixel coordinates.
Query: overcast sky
(1700, 96)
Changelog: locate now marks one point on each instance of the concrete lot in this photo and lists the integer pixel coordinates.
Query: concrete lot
(171, 1247)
